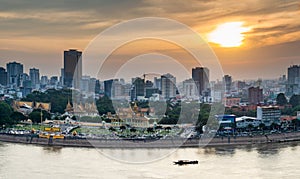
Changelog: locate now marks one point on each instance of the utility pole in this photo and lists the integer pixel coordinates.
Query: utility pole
(41, 118)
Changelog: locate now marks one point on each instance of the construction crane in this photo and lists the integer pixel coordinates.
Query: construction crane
(149, 74)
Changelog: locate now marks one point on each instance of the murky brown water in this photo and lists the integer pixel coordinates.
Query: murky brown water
(268, 161)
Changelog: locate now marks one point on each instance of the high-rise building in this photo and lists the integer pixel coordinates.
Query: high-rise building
(157, 83)
(138, 88)
(22, 78)
(84, 84)
(97, 87)
(255, 95)
(26, 87)
(217, 91)
(240, 85)
(150, 89)
(3, 76)
(168, 86)
(72, 68)
(189, 89)
(293, 81)
(92, 85)
(227, 81)
(34, 77)
(44, 80)
(88, 84)
(14, 70)
(108, 87)
(54, 80)
(201, 77)
(118, 90)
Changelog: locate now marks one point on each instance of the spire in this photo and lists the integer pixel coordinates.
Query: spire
(135, 108)
(69, 106)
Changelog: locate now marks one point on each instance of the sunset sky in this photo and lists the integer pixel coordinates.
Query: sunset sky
(266, 33)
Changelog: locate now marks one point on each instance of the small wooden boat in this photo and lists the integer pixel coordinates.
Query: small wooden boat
(185, 162)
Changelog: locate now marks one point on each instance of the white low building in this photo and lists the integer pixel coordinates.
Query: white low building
(245, 121)
(269, 114)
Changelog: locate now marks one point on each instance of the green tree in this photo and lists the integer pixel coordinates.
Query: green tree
(5, 113)
(281, 99)
(104, 105)
(17, 117)
(294, 110)
(287, 111)
(172, 114)
(295, 100)
(57, 98)
(36, 115)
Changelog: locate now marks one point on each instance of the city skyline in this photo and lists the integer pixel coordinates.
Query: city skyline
(140, 75)
(149, 89)
(268, 35)
(150, 85)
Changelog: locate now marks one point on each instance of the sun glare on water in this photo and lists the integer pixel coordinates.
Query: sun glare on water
(228, 34)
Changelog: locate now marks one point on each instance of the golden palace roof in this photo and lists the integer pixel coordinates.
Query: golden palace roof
(45, 106)
(19, 104)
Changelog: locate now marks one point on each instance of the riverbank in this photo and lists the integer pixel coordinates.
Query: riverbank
(161, 143)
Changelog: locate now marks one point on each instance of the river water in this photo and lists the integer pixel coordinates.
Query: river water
(265, 161)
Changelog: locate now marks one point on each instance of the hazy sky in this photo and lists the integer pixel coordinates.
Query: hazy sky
(36, 32)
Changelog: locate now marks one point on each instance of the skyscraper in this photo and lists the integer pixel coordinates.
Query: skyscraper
(108, 87)
(118, 90)
(227, 81)
(157, 83)
(92, 85)
(44, 80)
(72, 68)
(138, 88)
(14, 70)
(26, 86)
(189, 88)
(97, 87)
(255, 95)
(168, 86)
(53, 80)
(200, 76)
(24, 77)
(3, 76)
(293, 82)
(84, 84)
(34, 77)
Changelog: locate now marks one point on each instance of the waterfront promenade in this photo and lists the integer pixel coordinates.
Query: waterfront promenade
(152, 143)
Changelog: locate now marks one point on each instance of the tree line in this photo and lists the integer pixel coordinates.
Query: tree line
(291, 106)
(169, 112)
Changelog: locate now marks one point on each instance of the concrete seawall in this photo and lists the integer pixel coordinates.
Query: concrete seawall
(162, 143)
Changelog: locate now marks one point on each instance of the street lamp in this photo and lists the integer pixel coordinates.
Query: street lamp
(30, 121)
(41, 118)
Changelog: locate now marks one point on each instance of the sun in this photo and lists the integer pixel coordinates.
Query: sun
(230, 34)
